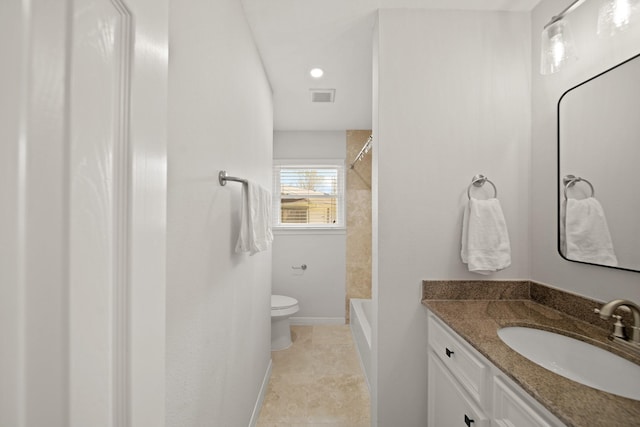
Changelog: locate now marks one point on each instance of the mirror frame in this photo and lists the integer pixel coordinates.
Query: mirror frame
(559, 184)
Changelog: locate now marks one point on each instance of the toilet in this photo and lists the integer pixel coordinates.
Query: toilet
(282, 307)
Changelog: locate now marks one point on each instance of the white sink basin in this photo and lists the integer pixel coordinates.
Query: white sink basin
(576, 360)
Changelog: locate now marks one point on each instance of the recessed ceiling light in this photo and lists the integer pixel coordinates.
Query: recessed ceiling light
(316, 73)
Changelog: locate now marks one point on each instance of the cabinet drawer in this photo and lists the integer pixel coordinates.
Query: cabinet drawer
(449, 404)
(471, 371)
(511, 408)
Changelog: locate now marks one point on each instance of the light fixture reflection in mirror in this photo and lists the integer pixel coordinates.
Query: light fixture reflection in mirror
(557, 47)
(616, 15)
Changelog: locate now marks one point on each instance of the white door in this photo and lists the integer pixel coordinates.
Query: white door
(83, 212)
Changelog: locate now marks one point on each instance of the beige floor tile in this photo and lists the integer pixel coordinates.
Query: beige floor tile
(317, 382)
(331, 359)
(364, 424)
(332, 334)
(338, 399)
(301, 334)
(292, 361)
(350, 424)
(286, 400)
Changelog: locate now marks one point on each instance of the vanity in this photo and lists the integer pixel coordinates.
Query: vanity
(483, 336)
(477, 380)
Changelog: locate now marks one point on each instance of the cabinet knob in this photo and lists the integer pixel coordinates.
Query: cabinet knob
(467, 420)
(449, 352)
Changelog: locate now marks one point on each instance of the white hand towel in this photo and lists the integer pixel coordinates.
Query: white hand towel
(485, 239)
(586, 233)
(255, 220)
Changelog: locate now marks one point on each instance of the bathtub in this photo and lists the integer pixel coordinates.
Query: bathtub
(360, 322)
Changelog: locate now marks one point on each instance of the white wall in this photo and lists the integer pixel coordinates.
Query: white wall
(320, 289)
(218, 302)
(375, 223)
(309, 144)
(33, 283)
(12, 46)
(453, 101)
(596, 55)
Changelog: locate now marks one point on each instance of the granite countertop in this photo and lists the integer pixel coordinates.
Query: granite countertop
(478, 320)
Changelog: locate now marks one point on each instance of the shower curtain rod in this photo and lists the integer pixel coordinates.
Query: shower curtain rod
(365, 149)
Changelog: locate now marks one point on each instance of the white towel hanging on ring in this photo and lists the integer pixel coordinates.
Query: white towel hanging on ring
(485, 239)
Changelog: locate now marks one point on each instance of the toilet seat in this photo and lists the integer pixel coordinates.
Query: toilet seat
(281, 301)
(283, 306)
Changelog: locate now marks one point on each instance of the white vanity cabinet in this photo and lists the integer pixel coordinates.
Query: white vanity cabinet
(467, 390)
(512, 408)
(449, 403)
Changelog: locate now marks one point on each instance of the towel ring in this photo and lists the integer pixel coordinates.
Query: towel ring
(478, 181)
(571, 180)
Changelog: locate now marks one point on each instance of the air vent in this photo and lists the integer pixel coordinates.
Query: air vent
(322, 95)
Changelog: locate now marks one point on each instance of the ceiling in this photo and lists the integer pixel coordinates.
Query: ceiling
(294, 36)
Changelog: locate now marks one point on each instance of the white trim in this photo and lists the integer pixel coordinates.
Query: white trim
(309, 162)
(317, 321)
(309, 230)
(122, 399)
(263, 392)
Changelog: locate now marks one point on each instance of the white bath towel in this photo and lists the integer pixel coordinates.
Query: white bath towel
(586, 233)
(255, 220)
(485, 239)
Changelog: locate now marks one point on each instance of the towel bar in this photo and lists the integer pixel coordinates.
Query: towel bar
(478, 181)
(223, 178)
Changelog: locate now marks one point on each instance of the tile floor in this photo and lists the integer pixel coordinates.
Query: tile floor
(317, 382)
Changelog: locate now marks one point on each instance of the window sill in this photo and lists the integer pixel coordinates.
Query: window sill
(309, 230)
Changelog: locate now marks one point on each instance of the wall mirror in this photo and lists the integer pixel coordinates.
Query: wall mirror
(599, 169)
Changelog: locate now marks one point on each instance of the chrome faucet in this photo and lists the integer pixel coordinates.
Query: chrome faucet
(606, 312)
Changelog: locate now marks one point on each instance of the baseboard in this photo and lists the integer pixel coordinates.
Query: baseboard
(317, 320)
(261, 395)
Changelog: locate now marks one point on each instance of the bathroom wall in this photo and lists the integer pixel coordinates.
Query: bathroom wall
(596, 55)
(218, 302)
(358, 219)
(9, 272)
(450, 104)
(320, 289)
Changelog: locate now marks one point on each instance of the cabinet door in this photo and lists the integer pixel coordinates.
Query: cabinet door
(510, 408)
(449, 405)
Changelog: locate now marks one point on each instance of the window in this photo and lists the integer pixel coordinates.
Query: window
(308, 196)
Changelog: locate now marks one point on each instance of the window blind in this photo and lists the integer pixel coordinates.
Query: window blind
(308, 196)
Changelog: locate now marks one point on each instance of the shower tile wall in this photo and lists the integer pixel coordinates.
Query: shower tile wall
(358, 219)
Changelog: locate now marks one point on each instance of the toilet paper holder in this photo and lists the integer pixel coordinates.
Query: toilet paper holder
(302, 267)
